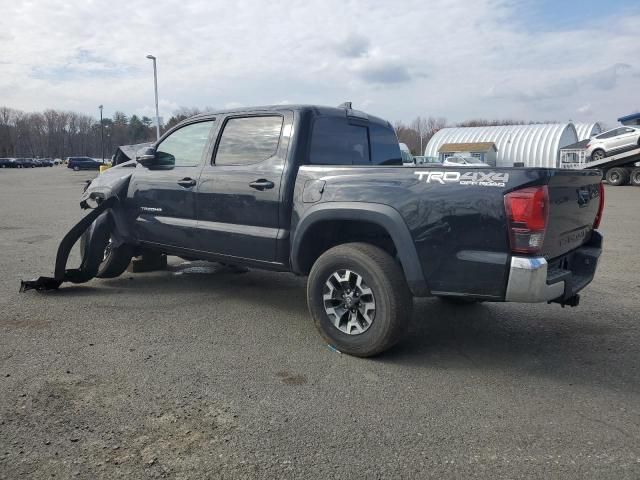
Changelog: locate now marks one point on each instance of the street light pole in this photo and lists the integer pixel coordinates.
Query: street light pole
(155, 84)
(101, 134)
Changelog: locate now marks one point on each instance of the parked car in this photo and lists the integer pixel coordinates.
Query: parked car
(83, 163)
(422, 160)
(321, 192)
(612, 142)
(7, 163)
(47, 162)
(25, 162)
(457, 161)
(407, 157)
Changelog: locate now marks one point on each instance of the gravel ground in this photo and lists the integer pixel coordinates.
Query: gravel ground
(202, 373)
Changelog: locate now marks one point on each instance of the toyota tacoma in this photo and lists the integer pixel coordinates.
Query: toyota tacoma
(321, 192)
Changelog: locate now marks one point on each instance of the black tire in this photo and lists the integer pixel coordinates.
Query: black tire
(392, 299)
(115, 259)
(617, 176)
(460, 300)
(598, 154)
(634, 178)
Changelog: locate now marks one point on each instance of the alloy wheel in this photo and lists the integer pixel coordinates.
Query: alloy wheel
(349, 302)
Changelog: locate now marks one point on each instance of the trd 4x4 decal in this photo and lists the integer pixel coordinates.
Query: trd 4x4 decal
(482, 179)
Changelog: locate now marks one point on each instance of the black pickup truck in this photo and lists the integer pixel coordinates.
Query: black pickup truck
(322, 192)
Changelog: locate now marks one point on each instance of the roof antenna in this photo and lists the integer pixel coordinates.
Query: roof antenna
(346, 105)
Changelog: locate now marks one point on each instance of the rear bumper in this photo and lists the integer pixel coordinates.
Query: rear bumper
(533, 279)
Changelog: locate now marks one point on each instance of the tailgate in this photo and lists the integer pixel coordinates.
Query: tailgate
(574, 197)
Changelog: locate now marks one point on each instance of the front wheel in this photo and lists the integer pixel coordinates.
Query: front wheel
(115, 260)
(76, 169)
(359, 299)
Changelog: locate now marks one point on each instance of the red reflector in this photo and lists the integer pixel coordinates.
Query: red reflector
(527, 215)
(598, 219)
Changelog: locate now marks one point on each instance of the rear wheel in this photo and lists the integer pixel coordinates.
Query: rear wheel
(359, 299)
(617, 176)
(76, 168)
(598, 155)
(634, 178)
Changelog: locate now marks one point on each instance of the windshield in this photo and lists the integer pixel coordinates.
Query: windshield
(472, 160)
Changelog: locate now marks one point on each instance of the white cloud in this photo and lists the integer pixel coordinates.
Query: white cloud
(414, 59)
(585, 109)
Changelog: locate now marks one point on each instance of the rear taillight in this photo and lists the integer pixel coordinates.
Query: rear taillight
(598, 219)
(527, 216)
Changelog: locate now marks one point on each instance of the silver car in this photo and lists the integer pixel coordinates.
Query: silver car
(458, 161)
(613, 141)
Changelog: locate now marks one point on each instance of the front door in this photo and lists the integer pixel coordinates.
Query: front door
(629, 137)
(163, 196)
(239, 190)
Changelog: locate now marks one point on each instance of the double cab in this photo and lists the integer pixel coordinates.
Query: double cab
(322, 192)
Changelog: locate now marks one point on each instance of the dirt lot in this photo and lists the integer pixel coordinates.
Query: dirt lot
(198, 373)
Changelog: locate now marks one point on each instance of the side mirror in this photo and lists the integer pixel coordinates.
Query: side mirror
(146, 157)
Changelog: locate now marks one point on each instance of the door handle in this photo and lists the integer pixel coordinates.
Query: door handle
(262, 184)
(187, 182)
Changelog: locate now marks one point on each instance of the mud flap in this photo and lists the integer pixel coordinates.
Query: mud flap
(87, 269)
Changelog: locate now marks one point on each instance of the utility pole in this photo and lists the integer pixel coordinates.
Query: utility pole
(101, 134)
(155, 84)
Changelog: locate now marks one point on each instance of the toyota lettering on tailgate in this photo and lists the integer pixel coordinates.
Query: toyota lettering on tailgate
(482, 179)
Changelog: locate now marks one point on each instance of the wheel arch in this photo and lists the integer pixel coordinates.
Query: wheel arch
(383, 218)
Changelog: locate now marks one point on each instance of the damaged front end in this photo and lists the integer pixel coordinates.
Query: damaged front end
(104, 196)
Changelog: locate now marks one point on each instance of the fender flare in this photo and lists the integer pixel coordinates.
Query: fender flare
(383, 215)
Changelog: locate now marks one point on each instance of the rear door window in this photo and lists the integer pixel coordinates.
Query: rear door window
(249, 140)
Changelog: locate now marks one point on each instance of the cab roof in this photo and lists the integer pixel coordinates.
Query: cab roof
(317, 110)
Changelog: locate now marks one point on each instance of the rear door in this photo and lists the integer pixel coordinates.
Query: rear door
(163, 196)
(574, 197)
(239, 190)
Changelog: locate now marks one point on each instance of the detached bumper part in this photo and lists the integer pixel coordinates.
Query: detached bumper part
(533, 279)
(76, 275)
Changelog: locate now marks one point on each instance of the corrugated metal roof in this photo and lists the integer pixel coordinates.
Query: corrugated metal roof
(587, 130)
(535, 145)
(467, 147)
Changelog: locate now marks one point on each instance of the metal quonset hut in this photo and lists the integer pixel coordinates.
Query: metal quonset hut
(587, 130)
(535, 145)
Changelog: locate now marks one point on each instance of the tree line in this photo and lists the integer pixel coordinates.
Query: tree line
(61, 133)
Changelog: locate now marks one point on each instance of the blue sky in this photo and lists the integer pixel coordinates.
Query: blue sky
(458, 59)
(568, 14)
